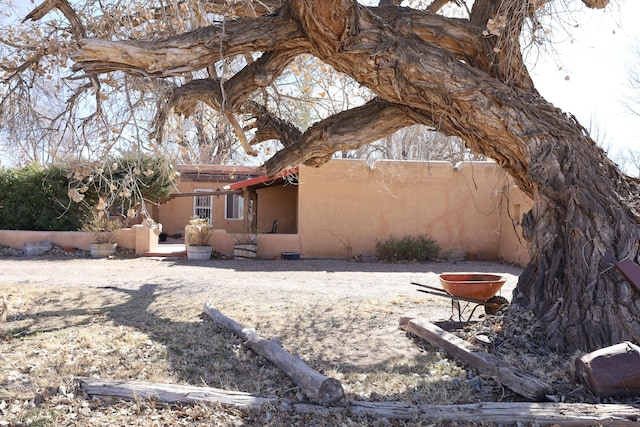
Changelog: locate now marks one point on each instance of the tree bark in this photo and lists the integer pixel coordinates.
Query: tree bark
(584, 219)
(316, 386)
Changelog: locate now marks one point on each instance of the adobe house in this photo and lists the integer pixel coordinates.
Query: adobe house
(342, 209)
(200, 191)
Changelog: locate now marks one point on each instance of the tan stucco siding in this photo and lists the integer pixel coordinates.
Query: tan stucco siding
(346, 206)
(174, 214)
(512, 245)
(278, 203)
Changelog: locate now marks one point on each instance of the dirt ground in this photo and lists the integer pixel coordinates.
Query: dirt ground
(141, 318)
(257, 283)
(259, 289)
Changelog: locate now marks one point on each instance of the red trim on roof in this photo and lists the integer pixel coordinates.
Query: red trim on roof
(262, 179)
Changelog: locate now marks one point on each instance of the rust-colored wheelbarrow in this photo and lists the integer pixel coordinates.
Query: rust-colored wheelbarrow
(477, 288)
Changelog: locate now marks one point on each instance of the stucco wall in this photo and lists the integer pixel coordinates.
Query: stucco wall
(278, 203)
(174, 215)
(270, 246)
(346, 206)
(180, 207)
(512, 244)
(139, 238)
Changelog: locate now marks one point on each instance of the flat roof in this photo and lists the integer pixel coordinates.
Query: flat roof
(216, 173)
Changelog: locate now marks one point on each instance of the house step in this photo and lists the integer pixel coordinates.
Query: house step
(168, 250)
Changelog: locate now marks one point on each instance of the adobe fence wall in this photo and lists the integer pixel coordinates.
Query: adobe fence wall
(139, 238)
(472, 209)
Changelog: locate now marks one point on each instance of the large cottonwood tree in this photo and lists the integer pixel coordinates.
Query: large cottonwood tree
(462, 76)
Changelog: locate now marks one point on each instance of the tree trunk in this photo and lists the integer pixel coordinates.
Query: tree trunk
(583, 221)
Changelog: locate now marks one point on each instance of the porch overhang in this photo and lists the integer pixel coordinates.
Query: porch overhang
(286, 175)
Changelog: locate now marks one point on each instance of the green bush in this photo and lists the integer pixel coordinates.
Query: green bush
(407, 249)
(60, 197)
(35, 198)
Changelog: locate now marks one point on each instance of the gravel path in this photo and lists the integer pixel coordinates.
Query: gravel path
(254, 282)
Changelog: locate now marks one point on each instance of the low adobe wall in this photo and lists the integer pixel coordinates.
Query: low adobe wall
(270, 246)
(139, 237)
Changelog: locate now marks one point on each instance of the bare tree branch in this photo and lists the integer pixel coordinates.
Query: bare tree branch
(268, 126)
(596, 4)
(76, 25)
(192, 51)
(436, 5)
(230, 95)
(347, 130)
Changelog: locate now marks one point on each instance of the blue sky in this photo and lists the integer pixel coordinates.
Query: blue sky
(588, 76)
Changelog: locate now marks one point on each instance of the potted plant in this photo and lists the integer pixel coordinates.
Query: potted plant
(245, 247)
(105, 231)
(197, 235)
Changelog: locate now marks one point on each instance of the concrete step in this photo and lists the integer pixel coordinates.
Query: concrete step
(168, 250)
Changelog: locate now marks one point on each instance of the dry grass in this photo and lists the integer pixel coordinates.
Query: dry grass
(156, 335)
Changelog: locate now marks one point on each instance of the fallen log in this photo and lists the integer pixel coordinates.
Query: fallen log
(556, 414)
(317, 387)
(516, 379)
(172, 393)
(501, 413)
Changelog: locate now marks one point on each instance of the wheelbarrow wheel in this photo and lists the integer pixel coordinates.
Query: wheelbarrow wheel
(501, 301)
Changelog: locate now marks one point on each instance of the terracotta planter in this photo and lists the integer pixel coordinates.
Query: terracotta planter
(102, 250)
(199, 252)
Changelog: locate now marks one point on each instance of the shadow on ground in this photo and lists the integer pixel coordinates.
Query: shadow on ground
(149, 334)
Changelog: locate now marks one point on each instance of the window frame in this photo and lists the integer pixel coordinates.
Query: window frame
(197, 208)
(239, 208)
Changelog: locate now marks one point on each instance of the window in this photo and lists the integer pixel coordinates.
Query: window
(234, 208)
(203, 205)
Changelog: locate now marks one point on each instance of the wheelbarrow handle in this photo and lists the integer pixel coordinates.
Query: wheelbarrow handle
(431, 287)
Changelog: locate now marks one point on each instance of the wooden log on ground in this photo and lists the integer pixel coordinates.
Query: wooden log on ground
(516, 379)
(556, 414)
(501, 413)
(172, 393)
(315, 386)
